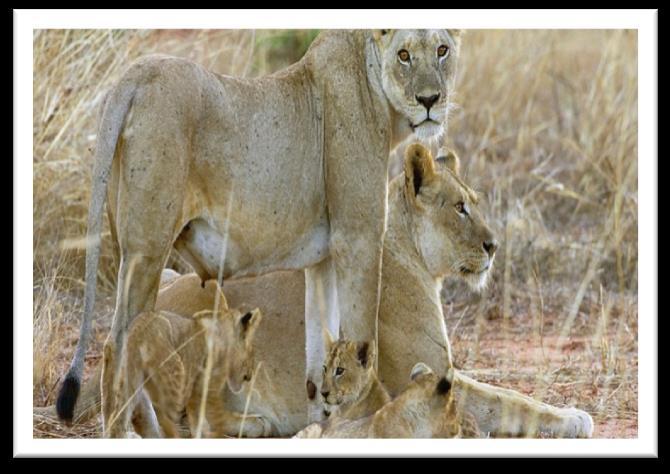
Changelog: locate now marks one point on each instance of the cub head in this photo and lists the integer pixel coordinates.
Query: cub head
(348, 370)
(232, 335)
(449, 230)
(418, 71)
(430, 397)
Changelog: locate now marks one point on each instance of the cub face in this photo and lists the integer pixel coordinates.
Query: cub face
(418, 73)
(450, 231)
(348, 369)
(232, 334)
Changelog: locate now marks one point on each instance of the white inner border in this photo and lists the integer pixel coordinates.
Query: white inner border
(645, 21)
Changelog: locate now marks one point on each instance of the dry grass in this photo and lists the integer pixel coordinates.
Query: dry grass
(546, 131)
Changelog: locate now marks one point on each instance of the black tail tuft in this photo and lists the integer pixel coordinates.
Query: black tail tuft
(67, 398)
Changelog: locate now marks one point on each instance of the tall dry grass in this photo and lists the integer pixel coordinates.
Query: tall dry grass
(546, 128)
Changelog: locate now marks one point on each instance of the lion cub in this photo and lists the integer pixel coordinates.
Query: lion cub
(350, 387)
(168, 359)
(425, 409)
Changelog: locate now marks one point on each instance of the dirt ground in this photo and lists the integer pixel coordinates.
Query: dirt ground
(583, 370)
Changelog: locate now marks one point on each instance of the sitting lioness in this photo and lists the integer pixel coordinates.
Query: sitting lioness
(174, 360)
(434, 231)
(425, 409)
(289, 171)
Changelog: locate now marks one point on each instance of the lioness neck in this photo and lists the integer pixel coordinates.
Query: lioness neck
(410, 307)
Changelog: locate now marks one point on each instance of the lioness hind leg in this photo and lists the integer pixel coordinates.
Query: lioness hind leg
(148, 215)
(505, 413)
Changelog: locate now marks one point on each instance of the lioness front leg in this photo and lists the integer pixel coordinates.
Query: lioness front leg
(321, 307)
(507, 413)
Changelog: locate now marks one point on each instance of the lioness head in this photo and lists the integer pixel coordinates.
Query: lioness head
(450, 232)
(418, 72)
(348, 370)
(231, 335)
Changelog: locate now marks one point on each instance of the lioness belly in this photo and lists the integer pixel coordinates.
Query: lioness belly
(257, 176)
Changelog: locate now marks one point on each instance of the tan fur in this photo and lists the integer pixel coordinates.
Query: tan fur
(168, 360)
(290, 167)
(411, 323)
(420, 411)
(350, 387)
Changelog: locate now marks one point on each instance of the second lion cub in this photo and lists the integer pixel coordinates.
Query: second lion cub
(168, 358)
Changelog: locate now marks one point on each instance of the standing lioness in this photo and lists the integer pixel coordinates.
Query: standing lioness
(291, 168)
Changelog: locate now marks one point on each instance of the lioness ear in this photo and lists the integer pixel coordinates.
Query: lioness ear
(450, 160)
(365, 352)
(378, 34)
(419, 169)
(419, 369)
(249, 322)
(456, 34)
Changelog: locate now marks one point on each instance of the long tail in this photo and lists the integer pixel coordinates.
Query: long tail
(115, 110)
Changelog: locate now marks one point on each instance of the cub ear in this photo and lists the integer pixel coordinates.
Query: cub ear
(328, 338)
(365, 352)
(249, 321)
(206, 319)
(378, 34)
(419, 369)
(445, 383)
(451, 160)
(443, 386)
(419, 169)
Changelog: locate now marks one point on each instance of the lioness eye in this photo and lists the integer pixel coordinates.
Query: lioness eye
(339, 371)
(460, 208)
(442, 50)
(324, 369)
(403, 55)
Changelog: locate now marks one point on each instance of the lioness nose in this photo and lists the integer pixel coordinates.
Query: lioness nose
(490, 247)
(428, 102)
(325, 394)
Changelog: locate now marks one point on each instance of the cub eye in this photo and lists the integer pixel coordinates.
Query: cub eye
(460, 208)
(442, 50)
(324, 369)
(339, 371)
(403, 55)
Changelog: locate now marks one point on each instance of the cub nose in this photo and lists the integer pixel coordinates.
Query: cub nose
(428, 102)
(325, 394)
(490, 247)
(246, 377)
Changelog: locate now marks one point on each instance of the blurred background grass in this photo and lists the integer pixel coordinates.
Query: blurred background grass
(546, 128)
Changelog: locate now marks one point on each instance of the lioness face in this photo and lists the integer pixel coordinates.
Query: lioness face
(418, 71)
(451, 233)
(240, 354)
(347, 371)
